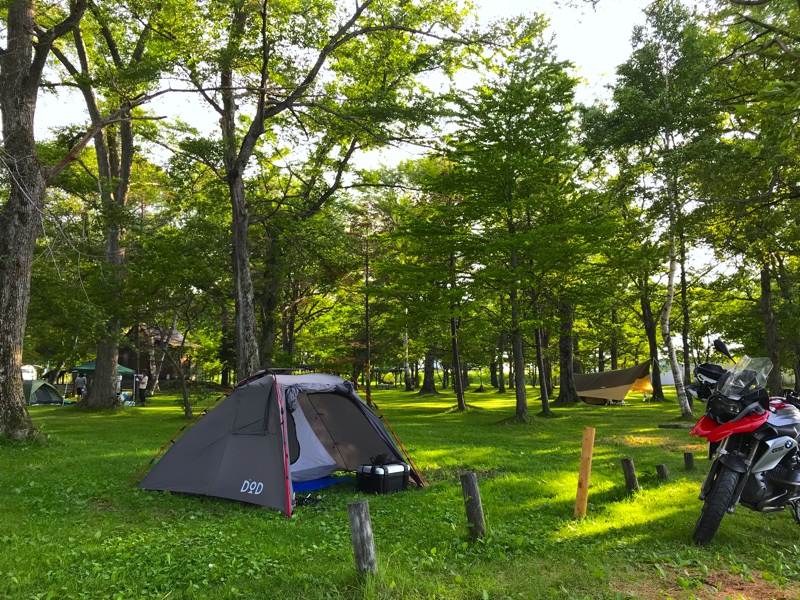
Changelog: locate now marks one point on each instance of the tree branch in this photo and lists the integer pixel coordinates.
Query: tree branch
(46, 39)
(336, 184)
(771, 28)
(107, 36)
(114, 117)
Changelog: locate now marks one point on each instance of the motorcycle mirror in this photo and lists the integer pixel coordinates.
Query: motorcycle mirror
(722, 347)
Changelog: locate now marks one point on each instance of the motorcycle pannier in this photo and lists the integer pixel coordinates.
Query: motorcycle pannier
(382, 479)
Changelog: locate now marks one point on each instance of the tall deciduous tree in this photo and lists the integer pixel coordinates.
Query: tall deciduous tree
(262, 63)
(662, 109)
(138, 57)
(513, 161)
(31, 30)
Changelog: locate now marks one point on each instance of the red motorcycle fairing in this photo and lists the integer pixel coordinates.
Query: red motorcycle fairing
(714, 432)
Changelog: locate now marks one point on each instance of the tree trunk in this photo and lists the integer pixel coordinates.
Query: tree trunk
(21, 65)
(687, 351)
(614, 341)
(567, 394)
(102, 387)
(428, 383)
(226, 349)
(666, 334)
(601, 359)
(493, 374)
(458, 384)
(501, 376)
(247, 357)
(546, 412)
(650, 330)
(407, 379)
(518, 348)
(548, 364)
(187, 405)
(771, 331)
(271, 295)
(19, 224)
(165, 340)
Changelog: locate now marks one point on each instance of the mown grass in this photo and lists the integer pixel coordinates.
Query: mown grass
(72, 525)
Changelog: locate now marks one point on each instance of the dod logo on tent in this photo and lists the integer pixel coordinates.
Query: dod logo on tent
(271, 433)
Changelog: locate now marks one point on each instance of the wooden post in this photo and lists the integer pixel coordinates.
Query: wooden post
(584, 473)
(661, 471)
(361, 533)
(688, 460)
(631, 483)
(472, 504)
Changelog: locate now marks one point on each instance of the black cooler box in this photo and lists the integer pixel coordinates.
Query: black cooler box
(382, 479)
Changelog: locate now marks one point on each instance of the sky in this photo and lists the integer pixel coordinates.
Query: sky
(595, 40)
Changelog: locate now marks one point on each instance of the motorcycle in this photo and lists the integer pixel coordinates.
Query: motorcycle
(752, 440)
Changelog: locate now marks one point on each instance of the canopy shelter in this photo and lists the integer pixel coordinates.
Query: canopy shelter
(612, 386)
(270, 434)
(38, 391)
(88, 367)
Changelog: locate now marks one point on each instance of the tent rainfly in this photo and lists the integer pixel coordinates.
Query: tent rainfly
(271, 436)
(38, 391)
(89, 367)
(612, 386)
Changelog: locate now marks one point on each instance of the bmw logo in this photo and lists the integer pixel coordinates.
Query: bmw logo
(789, 444)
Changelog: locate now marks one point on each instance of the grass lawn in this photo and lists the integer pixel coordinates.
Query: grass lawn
(72, 525)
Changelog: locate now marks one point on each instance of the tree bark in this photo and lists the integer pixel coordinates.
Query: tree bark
(614, 350)
(547, 374)
(19, 223)
(428, 383)
(770, 331)
(546, 412)
(247, 356)
(666, 334)
(518, 347)
(458, 384)
(687, 351)
(567, 394)
(650, 330)
(21, 65)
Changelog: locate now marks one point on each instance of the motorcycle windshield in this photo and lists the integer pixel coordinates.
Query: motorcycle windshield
(747, 375)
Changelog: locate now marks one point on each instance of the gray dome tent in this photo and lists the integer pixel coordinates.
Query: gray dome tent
(245, 450)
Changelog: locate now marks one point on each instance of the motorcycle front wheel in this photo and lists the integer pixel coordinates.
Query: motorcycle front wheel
(715, 505)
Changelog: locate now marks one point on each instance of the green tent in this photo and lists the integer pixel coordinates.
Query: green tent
(88, 367)
(38, 391)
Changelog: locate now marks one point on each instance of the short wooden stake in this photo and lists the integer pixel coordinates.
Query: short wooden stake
(585, 472)
(473, 506)
(631, 483)
(661, 471)
(688, 460)
(361, 533)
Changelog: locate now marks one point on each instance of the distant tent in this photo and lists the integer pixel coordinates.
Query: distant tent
(271, 435)
(89, 367)
(38, 391)
(612, 386)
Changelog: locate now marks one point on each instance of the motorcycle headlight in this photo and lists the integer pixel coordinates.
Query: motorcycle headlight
(725, 408)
